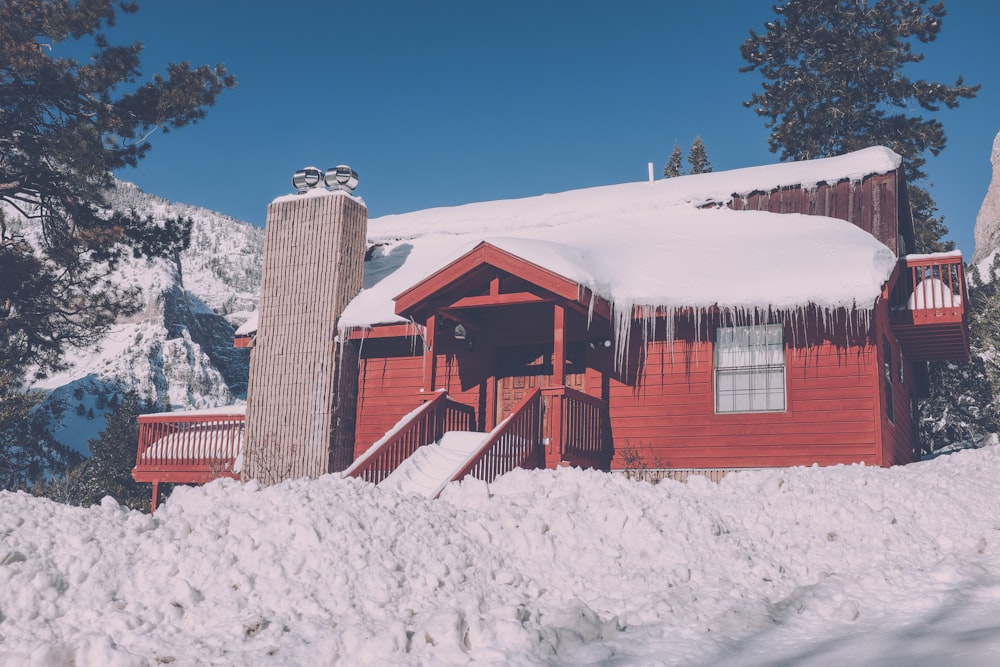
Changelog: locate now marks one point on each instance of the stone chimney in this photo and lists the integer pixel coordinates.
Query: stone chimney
(302, 394)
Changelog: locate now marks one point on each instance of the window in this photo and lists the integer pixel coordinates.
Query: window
(750, 368)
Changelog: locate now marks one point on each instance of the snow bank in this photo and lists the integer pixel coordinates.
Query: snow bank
(816, 566)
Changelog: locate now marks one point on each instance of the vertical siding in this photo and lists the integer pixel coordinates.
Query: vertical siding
(313, 265)
(668, 419)
(870, 203)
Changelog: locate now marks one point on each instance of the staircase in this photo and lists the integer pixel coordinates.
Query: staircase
(434, 445)
(431, 467)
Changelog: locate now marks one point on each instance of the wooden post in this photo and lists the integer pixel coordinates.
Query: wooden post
(553, 453)
(430, 360)
(559, 345)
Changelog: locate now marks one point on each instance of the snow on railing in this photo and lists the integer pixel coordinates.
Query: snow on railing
(210, 439)
(423, 426)
(514, 443)
(930, 286)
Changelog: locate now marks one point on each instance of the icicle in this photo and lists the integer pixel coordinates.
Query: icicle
(417, 334)
(622, 315)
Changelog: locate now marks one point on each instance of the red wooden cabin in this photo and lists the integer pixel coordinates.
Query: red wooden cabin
(505, 318)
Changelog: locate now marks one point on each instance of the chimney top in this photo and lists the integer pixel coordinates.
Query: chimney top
(340, 177)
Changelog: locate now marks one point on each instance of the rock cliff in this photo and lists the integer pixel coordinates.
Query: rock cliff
(987, 231)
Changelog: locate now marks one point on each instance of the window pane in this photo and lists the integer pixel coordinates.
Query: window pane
(750, 368)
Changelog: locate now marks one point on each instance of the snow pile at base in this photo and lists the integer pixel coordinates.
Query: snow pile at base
(807, 566)
(648, 244)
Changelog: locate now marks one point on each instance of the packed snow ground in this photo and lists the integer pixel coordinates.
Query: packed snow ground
(806, 566)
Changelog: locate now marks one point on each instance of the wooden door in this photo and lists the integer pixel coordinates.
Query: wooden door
(522, 368)
(519, 370)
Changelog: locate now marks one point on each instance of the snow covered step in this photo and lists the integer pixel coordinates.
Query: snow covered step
(433, 465)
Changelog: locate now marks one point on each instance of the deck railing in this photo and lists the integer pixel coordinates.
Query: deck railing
(515, 443)
(202, 443)
(929, 287)
(423, 426)
(189, 447)
(577, 425)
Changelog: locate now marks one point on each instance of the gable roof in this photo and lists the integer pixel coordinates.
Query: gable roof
(480, 265)
(650, 245)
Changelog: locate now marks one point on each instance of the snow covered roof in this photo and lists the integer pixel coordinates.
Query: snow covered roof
(649, 244)
(249, 327)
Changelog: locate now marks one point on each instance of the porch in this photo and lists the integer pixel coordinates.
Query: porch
(191, 447)
(546, 428)
(927, 296)
(492, 331)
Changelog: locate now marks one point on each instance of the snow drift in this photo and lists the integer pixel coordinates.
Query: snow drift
(806, 566)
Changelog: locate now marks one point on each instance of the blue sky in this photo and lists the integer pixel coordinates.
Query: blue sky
(442, 103)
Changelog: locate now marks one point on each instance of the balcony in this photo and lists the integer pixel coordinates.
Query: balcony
(926, 296)
(191, 447)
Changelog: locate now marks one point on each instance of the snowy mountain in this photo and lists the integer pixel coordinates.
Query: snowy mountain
(178, 351)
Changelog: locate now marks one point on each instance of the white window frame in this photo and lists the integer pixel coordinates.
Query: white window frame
(750, 369)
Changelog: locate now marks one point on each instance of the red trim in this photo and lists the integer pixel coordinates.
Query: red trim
(511, 299)
(417, 297)
(385, 331)
(242, 342)
(559, 345)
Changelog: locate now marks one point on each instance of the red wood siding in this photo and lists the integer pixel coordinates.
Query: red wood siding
(668, 419)
(664, 413)
(390, 375)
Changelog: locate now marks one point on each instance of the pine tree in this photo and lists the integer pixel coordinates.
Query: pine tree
(836, 80)
(698, 158)
(65, 127)
(28, 453)
(963, 405)
(673, 167)
(108, 472)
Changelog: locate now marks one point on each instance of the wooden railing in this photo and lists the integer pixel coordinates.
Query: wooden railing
(423, 426)
(206, 445)
(515, 443)
(577, 425)
(930, 288)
